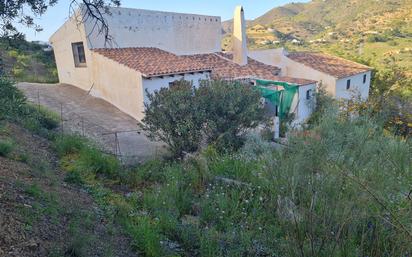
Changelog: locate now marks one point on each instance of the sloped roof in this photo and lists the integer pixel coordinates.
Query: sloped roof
(223, 67)
(152, 61)
(331, 65)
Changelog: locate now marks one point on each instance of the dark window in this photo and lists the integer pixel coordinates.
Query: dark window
(79, 54)
(364, 79)
(308, 94)
(348, 84)
(173, 83)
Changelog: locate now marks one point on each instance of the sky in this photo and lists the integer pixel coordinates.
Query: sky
(58, 14)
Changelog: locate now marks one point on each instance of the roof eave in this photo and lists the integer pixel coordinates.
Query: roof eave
(149, 76)
(350, 75)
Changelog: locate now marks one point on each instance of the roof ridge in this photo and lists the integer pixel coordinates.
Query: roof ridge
(224, 58)
(333, 56)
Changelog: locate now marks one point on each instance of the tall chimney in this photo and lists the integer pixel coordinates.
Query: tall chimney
(239, 37)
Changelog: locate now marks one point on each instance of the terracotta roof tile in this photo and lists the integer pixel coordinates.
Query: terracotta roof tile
(152, 61)
(332, 65)
(156, 62)
(223, 67)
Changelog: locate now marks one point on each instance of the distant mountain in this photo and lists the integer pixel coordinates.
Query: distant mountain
(227, 26)
(345, 17)
(283, 12)
(376, 31)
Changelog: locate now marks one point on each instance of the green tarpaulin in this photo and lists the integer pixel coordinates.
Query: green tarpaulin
(281, 98)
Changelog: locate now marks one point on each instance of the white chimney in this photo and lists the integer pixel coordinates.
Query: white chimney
(239, 37)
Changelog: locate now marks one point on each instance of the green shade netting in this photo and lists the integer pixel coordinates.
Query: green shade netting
(282, 98)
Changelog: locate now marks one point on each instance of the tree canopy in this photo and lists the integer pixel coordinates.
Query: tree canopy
(23, 12)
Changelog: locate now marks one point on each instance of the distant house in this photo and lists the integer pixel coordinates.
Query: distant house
(341, 78)
(150, 50)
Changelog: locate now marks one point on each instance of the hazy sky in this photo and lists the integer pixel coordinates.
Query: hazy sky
(57, 15)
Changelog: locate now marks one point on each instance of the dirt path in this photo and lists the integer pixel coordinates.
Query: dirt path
(94, 118)
(41, 215)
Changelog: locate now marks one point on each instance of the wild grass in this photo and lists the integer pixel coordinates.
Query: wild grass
(6, 147)
(341, 190)
(14, 107)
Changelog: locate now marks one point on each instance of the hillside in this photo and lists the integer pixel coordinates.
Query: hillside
(41, 213)
(27, 61)
(324, 194)
(368, 29)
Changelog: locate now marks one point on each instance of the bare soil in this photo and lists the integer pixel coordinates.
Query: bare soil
(40, 214)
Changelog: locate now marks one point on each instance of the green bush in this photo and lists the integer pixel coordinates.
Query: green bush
(147, 237)
(14, 107)
(173, 117)
(12, 100)
(149, 172)
(74, 177)
(91, 160)
(331, 193)
(6, 147)
(217, 112)
(47, 119)
(376, 38)
(69, 144)
(230, 109)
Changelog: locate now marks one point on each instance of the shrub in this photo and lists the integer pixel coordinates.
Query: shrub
(94, 161)
(74, 177)
(146, 236)
(330, 192)
(47, 119)
(14, 107)
(12, 101)
(218, 112)
(376, 38)
(6, 147)
(230, 109)
(174, 118)
(69, 144)
(255, 147)
(147, 173)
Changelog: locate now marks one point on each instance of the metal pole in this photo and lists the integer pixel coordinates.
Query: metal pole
(115, 143)
(61, 118)
(118, 145)
(277, 127)
(38, 100)
(82, 126)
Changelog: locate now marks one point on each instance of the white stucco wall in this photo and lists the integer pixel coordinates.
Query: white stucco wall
(290, 68)
(305, 107)
(155, 84)
(274, 57)
(174, 32)
(117, 84)
(334, 86)
(61, 40)
(357, 87)
(298, 70)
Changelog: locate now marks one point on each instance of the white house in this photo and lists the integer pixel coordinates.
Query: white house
(341, 78)
(151, 49)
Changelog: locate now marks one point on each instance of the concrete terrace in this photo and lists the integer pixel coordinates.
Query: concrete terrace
(95, 118)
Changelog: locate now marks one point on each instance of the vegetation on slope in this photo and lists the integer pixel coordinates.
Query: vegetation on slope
(330, 193)
(25, 61)
(339, 189)
(41, 214)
